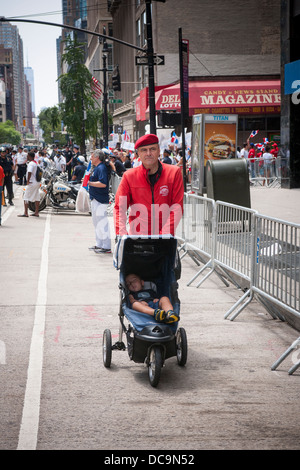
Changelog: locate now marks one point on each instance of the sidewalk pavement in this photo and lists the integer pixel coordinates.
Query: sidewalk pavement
(226, 397)
(279, 203)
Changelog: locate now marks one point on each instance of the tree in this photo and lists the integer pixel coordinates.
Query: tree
(8, 133)
(50, 123)
(79, 110)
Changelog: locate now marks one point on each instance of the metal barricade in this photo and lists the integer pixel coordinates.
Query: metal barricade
(235, 240)
(277, 274)
(114, 184)
(293, 347)
(264, 173)
(198, 231)
(262, 250)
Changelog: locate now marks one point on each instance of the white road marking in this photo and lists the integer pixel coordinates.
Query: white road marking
(7, 213)
(31, 410)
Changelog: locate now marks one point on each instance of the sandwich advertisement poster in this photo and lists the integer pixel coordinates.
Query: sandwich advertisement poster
(219, 141)
(214, 137)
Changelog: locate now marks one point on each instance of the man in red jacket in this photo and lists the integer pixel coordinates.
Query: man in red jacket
(153, 191)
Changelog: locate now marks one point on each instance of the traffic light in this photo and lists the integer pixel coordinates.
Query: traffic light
(116, 82)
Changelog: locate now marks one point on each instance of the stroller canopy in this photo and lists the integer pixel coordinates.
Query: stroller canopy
(145, 256)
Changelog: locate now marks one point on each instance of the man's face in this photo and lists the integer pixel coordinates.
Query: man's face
(94, 159)
(2, 154)
(149, 155)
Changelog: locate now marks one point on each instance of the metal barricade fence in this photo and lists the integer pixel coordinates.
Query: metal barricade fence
(114, 184)
(234, 244)
(235, 238)
(197, 232)
(197, 223)
(265, 173)
(277, 273)
(262, 250)
(275, 267)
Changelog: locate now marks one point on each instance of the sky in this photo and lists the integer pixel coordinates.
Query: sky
(39, 44)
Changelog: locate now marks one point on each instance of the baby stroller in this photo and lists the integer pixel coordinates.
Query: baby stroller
(156, 261)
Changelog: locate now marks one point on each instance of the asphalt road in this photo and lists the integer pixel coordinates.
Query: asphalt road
(55, 394)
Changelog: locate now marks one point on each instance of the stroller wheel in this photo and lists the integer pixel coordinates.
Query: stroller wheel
(155, 365)
(181, 344)
(106, 348)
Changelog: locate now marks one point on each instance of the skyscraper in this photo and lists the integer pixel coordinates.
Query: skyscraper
(10, 38)
(30, 77)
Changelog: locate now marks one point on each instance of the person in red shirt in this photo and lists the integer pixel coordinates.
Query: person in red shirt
(251, 159)
(2, 176)
(274, 150)
(153, 191)
(274, 153)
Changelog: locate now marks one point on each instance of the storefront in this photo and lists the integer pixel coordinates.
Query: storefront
(257, 103)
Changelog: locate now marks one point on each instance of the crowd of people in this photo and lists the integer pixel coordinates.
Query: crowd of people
(16, 168)
(260, 157)
(15, 161)
(171, 155)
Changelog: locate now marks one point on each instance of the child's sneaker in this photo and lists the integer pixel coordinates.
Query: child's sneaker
(159, 315)
(171, 317)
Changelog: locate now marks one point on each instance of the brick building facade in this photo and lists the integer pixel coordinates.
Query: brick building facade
(228, 41)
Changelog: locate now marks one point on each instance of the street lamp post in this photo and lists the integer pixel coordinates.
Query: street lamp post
(150, 68)
(105, 93)
(105, 117)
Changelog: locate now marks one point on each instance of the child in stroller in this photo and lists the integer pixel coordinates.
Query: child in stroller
(145, 301)
(152, 334)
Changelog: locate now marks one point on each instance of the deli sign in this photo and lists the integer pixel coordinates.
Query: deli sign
(222, 95)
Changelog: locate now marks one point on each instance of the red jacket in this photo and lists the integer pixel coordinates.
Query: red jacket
(2, 176)
(154, 209)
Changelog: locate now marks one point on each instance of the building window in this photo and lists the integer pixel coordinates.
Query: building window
(255, 123)
(138, 32)
(143, 29)
(273, 123)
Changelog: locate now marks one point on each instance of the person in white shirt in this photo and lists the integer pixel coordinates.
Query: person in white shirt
(245, 150)
(60, 162)
(21, 159)
(267, 158)
(40, 158)
(32, 191)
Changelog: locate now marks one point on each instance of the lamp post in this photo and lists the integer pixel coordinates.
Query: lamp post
(105, 50)
(151, 84)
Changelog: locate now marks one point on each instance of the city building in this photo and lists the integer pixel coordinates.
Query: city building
(7, 111)
(10, 39)
(74, 13)
(30, 77)
(234, 61)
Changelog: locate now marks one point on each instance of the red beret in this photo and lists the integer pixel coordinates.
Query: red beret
(147, 139)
